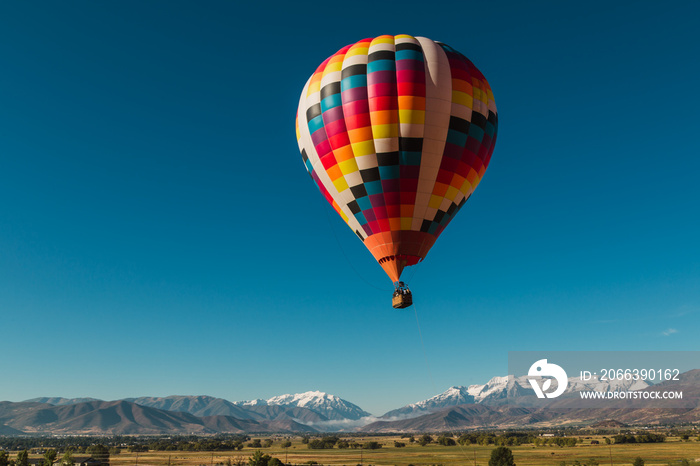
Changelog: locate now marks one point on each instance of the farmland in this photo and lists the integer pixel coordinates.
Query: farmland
(585, 452)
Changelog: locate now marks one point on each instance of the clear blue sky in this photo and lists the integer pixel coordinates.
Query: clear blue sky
(159, 234)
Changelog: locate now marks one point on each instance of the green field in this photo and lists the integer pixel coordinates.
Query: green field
(673, 450)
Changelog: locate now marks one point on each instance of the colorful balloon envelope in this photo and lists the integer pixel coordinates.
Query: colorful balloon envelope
(397, 132)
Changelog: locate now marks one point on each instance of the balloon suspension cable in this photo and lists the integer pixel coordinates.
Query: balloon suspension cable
(425, 355)
(402, 297)
(330, 225)
(432, 380)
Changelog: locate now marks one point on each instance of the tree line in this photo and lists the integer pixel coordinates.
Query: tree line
(98, 452)
(643, 438)
(80, 445)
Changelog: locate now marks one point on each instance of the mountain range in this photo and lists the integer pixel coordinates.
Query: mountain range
(312, 407)
(502, 390)
(475, 406)
(125, 418)
(505, 402)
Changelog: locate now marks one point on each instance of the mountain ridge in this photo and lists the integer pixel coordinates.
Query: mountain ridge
(123, 417)
(458, 407)
(310, 406)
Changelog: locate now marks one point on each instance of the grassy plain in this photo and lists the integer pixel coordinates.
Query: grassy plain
(669, 452)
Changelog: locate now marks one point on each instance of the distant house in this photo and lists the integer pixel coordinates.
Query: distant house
(78, 461)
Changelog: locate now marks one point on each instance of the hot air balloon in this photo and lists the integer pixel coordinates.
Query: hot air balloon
(397, 132)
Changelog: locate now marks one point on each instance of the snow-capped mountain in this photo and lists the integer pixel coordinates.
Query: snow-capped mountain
(494, 389)
(329, 406)
(453, 396)
(501, 390)
(498, 388)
